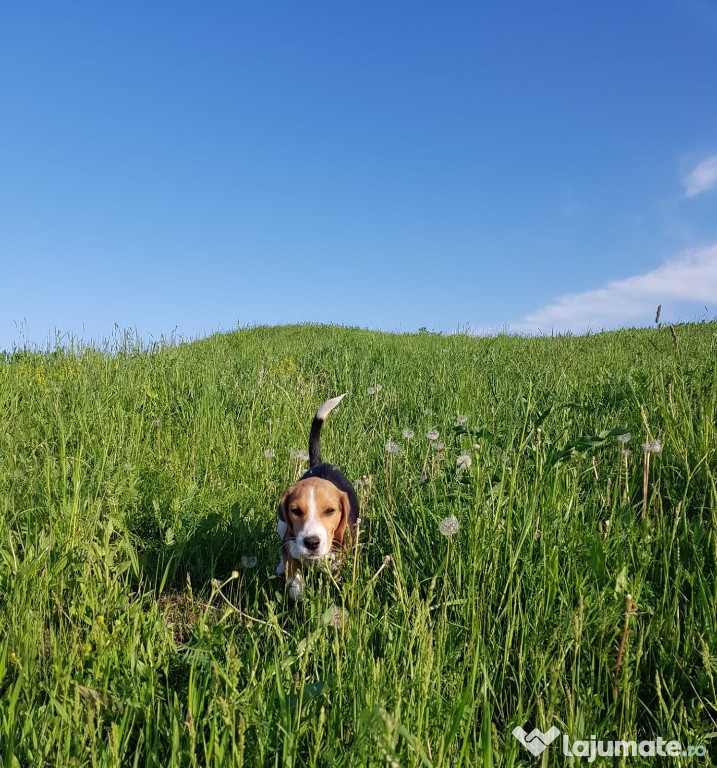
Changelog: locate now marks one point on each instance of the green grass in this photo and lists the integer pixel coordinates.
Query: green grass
(132, 483)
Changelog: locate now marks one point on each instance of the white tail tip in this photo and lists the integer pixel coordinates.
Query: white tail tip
(329, 406)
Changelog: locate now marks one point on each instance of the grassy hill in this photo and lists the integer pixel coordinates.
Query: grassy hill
(141, 622)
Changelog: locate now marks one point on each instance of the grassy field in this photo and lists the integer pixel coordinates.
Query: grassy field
(141, 623)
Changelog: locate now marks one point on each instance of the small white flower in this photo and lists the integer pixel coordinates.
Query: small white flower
(248, 562)
(654, 447)
(300, 455)
(392, 447)
(371, 391)
(449, 526)
(269, 454)
(624, 438)
(463, 462)
(476, 446)
(460, 420)
(408, 434)
(432, 434)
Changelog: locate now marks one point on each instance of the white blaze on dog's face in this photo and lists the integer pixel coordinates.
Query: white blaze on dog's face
(315, 513)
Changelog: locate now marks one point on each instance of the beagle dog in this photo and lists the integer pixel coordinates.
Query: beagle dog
(315, 513)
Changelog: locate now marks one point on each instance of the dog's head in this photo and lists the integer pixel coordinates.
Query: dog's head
(315, 513)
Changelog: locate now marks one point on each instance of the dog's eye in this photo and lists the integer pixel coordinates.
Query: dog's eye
(329, 511)
(296, 511)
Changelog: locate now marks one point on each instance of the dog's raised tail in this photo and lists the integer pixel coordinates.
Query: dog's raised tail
(316, 424)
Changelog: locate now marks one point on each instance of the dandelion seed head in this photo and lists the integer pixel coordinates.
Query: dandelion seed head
(427, 411)
(625, 452)
(460, 420)
(624, 438)
(248, 562)
(408, 434)
(449, 526)
(463, 462)
(654, 447)
(438, 446)
(371, 391)
(392, 447)
(300, 455)
(432, 434)
(269, 453)
(334, 616)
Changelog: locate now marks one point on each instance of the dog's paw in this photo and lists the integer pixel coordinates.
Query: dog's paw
(296, 588)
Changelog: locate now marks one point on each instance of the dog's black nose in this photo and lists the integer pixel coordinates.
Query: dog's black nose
(311, 542)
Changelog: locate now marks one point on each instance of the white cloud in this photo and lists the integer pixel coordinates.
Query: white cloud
(690, 278)
(702, 178)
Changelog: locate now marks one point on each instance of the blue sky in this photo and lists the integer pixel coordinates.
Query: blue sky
(521, 165)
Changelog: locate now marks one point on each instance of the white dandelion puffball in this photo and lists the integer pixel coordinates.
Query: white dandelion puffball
(300, 455)
(408, 434)
(432, 434)
(463, 462)
(624, 438)
(653, 447)
(392, 447)
(248, 562)
(461, 420)
(335, 617)
(438, 446)
(269, 454)
(371, 391)
(449, 526)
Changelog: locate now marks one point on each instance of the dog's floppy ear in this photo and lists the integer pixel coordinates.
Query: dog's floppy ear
(282, 511)
(345, 506)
